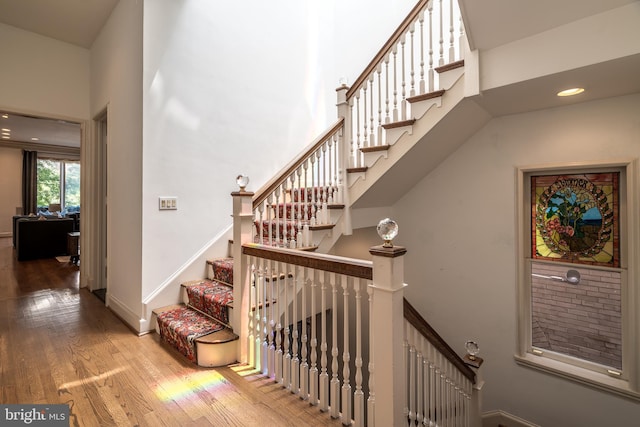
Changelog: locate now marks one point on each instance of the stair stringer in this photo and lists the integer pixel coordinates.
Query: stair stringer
(421, 127)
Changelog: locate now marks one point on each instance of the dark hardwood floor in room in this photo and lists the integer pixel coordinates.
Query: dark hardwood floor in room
(60, 344)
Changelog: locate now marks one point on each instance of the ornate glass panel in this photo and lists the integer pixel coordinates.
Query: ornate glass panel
(575, 218)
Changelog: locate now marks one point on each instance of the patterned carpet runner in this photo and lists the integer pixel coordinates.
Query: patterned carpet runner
(181, 327)
(212, 298)
(222, 270)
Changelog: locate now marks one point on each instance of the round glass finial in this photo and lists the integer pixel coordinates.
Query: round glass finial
(472, 349)
(242, 181)
(387, 230)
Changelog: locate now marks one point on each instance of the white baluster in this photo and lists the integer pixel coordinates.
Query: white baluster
(299, 207)
(286, 375)
(279, 353)
(313, 370)
(403, 103)
(352, 142)
(461, 40)
(291, 209)
(261, 224)
(335, 382)
(264, 327)
(271, 357)
(358, 395)
(270, 238)
(251, 348)
(412, 72)
(422, 84)
(452, 48)
(257, 315)
(412, 383)
(330, 160)
(279, 235)
(430, 71)
(379, 126)
(295, 361)
(407, 363)
(317, 191)
(358, 153)
(395, 83)
(346, 356)
(305, 192)
(372, 135)
(441, 39)
(365, 142)
(420, 385)
(387, 118)
(324, 375)
(371, 400)
(304, 366)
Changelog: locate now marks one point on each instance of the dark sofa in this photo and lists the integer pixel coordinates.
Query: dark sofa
(42, 238)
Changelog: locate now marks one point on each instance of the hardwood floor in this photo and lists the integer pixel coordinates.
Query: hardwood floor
(60, 344)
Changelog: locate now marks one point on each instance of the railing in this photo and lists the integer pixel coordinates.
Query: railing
(403, 71)
(298, 200)
(440, 384)
(338, 333)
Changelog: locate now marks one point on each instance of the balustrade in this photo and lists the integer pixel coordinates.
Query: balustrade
(305, 325)
(390, 78)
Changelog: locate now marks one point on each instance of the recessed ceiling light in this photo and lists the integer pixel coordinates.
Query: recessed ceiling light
(5, 137)
(571, 92)
(6, 133)
(5, 116)
(6, 130)
(35, 139)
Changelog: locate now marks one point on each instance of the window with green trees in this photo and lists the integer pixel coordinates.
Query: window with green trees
(58, 182)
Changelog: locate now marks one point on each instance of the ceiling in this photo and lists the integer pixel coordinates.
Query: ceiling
(79, 22)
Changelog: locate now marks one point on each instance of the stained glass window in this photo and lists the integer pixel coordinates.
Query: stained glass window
(575, 218)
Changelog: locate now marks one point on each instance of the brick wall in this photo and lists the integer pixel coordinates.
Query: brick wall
(583, 320)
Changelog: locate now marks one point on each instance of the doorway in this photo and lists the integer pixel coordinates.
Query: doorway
(100, 246)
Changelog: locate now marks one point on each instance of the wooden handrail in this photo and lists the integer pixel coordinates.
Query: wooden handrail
(418, 322)
(331, 263)
(387, 47)
(270, 186)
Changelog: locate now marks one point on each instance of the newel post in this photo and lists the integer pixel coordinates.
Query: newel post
(387, 320)
(345, 155)
(242, 233)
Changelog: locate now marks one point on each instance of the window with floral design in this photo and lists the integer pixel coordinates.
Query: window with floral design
(574, 274)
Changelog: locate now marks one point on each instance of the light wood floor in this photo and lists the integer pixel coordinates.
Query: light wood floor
(60, 344)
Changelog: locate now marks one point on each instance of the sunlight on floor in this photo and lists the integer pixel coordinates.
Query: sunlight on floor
(95, 378)
(183, 388)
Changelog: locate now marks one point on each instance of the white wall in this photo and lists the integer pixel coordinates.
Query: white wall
(116, 82)
(39, 76)
(10, 187)
(43, 76)
(237, 87)
(461, 258)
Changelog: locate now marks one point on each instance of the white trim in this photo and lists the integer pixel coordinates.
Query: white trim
(564, 366)
(498, 417)
(125, 313)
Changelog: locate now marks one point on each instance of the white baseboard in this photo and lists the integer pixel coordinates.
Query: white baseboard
(126, 314)
(504, 419)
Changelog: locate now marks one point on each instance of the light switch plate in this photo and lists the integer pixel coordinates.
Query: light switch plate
(168, 203)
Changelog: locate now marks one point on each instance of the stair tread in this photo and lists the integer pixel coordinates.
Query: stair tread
(182, 325)
(159, 310)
